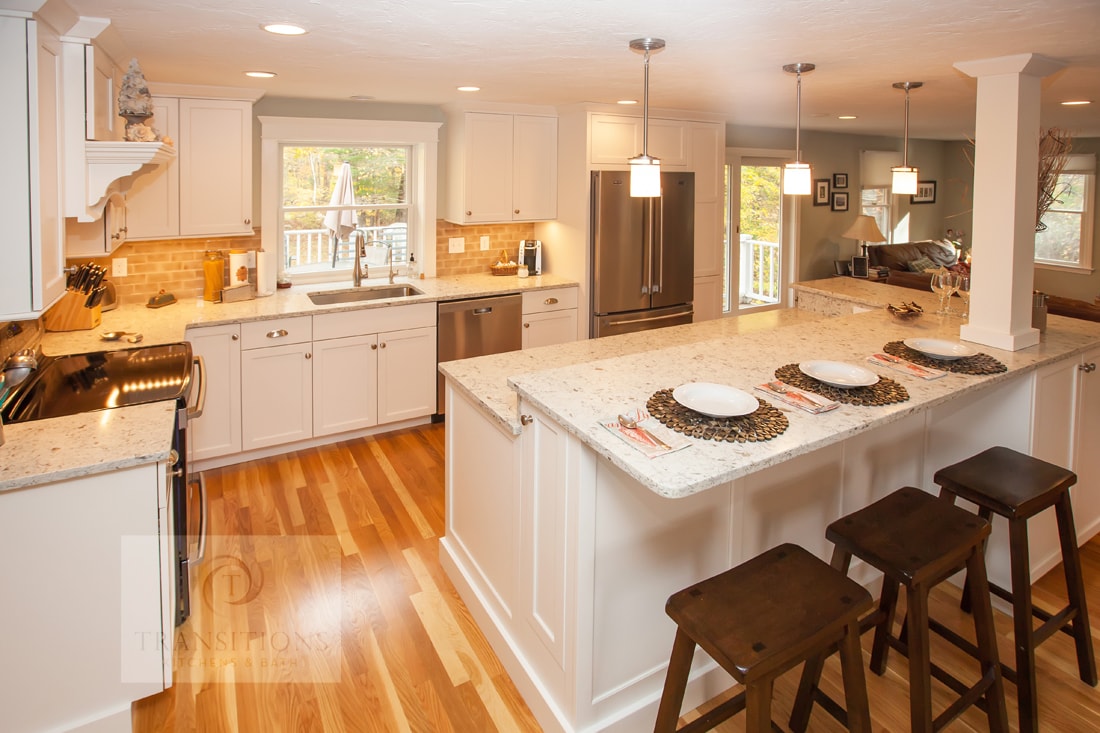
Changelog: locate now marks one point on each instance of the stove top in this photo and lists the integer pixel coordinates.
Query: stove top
(100, 380)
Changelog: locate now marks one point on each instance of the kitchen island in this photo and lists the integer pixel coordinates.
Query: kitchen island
(565, 541)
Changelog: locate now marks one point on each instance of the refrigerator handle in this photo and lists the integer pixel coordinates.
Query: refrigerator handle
(647, 246)
(656, 235)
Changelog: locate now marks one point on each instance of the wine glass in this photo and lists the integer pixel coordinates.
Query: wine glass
(951, 286)
(964, 292)
(939, 287)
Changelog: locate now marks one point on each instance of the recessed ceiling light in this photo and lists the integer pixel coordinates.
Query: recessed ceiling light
(361, 97)
(283, 29)
(627, 101)
(260, 74)
(469, 89)
(846, 117)
(1076, 102)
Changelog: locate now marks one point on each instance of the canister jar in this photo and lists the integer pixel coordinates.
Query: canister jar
(213, 275)
(238, 267)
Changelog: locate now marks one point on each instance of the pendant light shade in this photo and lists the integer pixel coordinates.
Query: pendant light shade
(797, 177)
(645, 170)
(904, 180)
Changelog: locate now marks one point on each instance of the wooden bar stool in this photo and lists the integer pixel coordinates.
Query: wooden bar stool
(918, 541)
(1017, 487)
(759, 620)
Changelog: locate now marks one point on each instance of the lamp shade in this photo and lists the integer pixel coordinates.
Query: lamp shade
(904, 180)
(797, 179)
(645, 176)
(865, 229)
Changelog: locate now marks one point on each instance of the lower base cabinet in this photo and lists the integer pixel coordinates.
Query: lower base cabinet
(549, 317)
(276, 395)
(218, 431)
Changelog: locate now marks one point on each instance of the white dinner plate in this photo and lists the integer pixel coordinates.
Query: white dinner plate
(940, 349)
(838, 374)
(716, 400)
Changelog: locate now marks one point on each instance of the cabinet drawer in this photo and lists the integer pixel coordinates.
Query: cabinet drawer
(279, 332)
(543, 301)
(373, 320)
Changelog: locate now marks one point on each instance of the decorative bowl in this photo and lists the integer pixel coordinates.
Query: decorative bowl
(905, 311)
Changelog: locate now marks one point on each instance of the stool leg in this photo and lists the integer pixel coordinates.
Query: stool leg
(887, 606)
(855, 685)
(1023, 626)
(679, 665)
(1071, 563)
(986, 635)
(758, 706)
(920, 664)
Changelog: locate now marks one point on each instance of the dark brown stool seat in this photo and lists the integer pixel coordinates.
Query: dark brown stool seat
(1017, 487)
(918, 541)
(759, 620)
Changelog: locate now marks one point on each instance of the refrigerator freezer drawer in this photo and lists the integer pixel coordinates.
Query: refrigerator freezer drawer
(614, 324)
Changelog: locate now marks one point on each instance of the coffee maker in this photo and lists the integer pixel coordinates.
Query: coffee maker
(530, 254)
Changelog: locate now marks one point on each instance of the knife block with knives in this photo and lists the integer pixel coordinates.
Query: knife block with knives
(79, 308)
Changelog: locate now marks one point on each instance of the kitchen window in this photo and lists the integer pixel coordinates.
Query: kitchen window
(390, 200)
(1066, 241)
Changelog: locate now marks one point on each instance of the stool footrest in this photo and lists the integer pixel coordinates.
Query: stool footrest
(975, 695)
(1007, 672)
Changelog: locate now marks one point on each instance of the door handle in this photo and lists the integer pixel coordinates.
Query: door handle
(200, 401)
(278, 334)
(482, 311)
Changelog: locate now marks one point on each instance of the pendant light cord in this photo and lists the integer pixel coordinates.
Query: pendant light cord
(905, 149)
(798, 119)
(645, 109)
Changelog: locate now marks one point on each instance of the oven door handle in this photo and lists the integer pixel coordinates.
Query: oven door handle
(200, 481)
(194, 411)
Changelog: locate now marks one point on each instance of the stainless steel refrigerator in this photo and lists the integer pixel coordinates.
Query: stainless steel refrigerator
(643, 255)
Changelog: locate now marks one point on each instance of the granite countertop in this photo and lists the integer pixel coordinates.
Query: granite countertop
(578, 396)
(873, 294)
(43, 451)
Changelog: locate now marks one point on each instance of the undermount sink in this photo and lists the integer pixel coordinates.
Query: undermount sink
(358, 295)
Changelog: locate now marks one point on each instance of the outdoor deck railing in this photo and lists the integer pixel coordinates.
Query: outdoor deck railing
(306, 248)
(760, 271)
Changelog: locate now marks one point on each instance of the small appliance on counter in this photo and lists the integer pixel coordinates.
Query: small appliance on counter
(530, 254)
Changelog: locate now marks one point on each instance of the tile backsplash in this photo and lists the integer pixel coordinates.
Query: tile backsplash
(474, 259)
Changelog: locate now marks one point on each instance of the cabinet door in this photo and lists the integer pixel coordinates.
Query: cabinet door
(215, 167)
(48, 258)
(1086, 494)
(153, 200)
(547, 329)
(218, 431)
(488, 167)
(669, 141)
(100, 237)
(708, 298)
(406, 374)
(614, 139)
(276, 395)
(345, 384)
(534, 168)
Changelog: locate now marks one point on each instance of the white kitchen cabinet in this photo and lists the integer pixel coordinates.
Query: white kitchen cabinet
(30, 188)
(207, 189)
(502, 167)
(276, 382)
(406, 374)
(708, 157)
(549, 317)
(345, 384)
(85, 632)
(614, 139)
(218, 431)
(1086, 494)
(101, 237)
(708, 299)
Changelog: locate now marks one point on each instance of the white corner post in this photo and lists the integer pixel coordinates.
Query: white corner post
(1006, 171)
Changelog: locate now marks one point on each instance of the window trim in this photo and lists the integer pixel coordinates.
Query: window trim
(1080, 164)
(423, 137)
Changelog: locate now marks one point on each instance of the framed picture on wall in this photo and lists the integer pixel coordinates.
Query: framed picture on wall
(926, 193)
(840, 180)
(840, 201)
(821, 192)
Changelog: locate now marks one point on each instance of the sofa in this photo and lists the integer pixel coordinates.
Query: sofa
(899, 258)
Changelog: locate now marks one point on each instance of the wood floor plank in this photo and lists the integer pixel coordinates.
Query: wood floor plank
(346, 536)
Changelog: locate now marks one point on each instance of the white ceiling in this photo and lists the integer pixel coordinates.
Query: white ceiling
(723, 56)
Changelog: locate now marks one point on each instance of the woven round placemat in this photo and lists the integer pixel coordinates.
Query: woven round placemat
(764, 423)
(977, 364)
(884, 392)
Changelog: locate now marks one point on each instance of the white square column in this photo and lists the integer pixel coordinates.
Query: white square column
(1006, 172)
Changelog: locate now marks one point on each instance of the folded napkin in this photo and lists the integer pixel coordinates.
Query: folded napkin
(800, 398)
(907, 367)
(648, 437)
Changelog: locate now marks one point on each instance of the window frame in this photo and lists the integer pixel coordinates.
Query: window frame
(1078, 165)
(421, 181)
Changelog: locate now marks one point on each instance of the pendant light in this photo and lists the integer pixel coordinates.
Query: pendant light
(905, 177)
(797, 178)
(645, 171)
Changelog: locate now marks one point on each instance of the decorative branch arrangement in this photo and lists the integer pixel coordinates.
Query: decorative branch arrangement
(1054, 148)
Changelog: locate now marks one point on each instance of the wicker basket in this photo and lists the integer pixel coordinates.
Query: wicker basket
(504, 269)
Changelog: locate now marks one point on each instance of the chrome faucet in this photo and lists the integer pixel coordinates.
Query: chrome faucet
(389, 260)
(356, 238)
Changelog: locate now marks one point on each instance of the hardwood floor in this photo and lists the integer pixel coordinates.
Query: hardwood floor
(321, 606)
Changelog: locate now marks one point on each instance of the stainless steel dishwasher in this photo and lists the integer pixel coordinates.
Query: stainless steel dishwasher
(477, 327)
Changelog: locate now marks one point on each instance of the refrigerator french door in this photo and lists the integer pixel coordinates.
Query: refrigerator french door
(643, 254)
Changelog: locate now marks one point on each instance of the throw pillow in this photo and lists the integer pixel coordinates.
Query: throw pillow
(921, 264)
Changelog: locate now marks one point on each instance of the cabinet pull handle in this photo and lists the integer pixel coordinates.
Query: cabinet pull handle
(527, 325)
(526, 419)
(234, 337)
(278, 334)
(116, 235)
(382, 345)
(248, 222)
(550, 301)
(469, 213)
(309, 355)
(516, 211)
(1087, 367)
(374, 347)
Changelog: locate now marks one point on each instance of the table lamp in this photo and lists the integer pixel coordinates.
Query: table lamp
(865, 230)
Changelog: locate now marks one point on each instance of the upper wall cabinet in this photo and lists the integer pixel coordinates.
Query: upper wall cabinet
(502, 167)
(617, 138)
(207, 190)
(32, 278)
